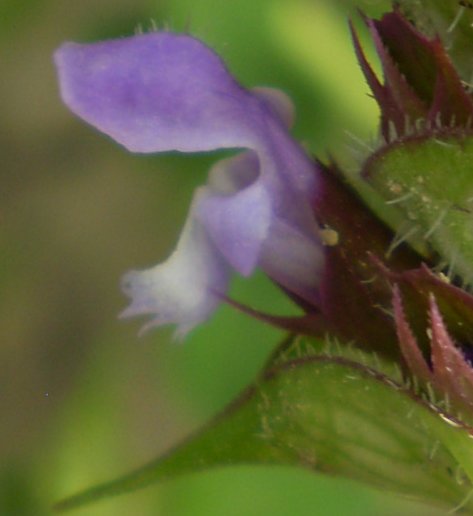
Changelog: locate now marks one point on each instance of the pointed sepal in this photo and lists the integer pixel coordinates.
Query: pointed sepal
(447, 370)
(422, 91)
(451, 20)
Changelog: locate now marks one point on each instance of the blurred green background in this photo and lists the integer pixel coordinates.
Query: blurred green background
(82, 399)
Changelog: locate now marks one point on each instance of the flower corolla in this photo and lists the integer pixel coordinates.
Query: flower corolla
(163, 91)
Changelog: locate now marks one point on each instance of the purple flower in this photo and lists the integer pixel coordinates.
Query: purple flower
(169, 92)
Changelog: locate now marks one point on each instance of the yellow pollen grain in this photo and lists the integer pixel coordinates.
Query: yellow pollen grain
(329, 237)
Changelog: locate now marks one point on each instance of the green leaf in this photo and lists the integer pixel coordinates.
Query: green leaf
(429, 181)
(329, 414)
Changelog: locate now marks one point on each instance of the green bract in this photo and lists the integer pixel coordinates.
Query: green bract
(429, 180)
(328, 413)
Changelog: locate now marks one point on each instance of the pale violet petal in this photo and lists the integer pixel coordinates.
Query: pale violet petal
(294, 259)
(280, 103)
(238, 224)
(156, 92)
(184, 290)
(228, 176)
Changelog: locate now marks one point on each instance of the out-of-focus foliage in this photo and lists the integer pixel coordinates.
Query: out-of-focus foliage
(81, 397)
